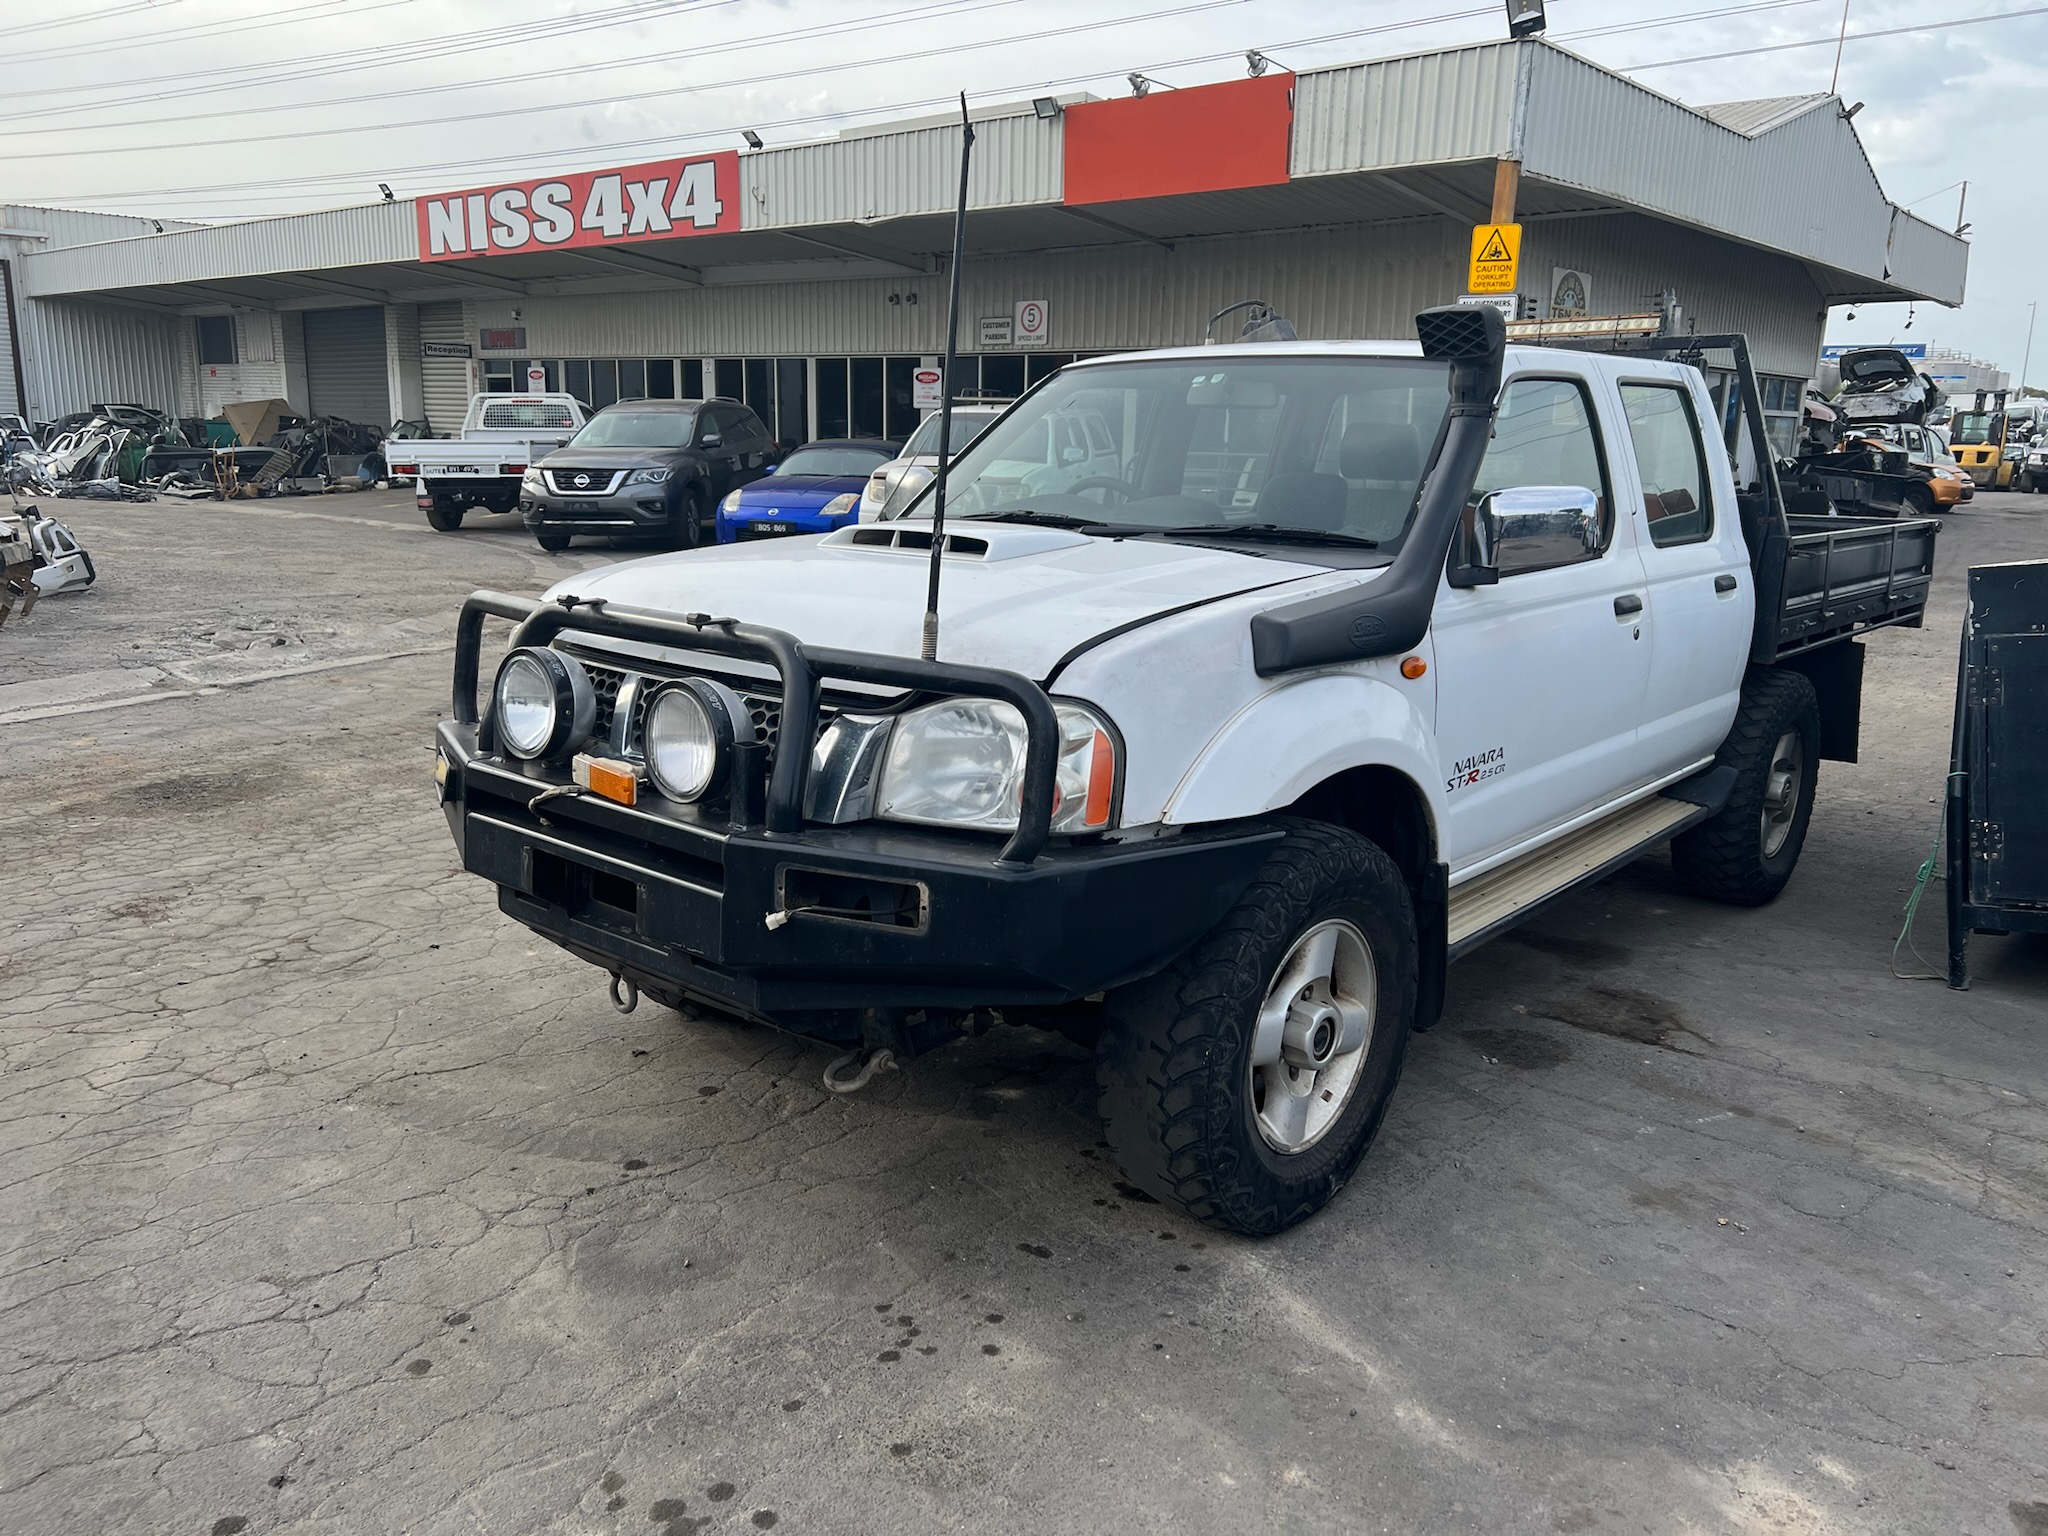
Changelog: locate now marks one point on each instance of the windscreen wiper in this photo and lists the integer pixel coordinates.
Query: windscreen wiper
(1032, 515)
(1273, 533)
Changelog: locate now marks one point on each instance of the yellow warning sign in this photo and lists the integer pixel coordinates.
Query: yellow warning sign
(1496, 248)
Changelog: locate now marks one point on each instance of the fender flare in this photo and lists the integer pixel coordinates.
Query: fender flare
(1281, 746)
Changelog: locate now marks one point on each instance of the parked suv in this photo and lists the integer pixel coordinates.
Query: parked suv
(655, 467)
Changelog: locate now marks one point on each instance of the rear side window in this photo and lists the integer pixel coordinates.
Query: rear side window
(1544, 434)
(542, 415)
(1669, 459)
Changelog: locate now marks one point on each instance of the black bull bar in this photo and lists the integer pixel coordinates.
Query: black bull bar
(800, 668)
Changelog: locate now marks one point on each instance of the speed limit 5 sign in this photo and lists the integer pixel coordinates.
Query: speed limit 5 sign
(1033, 319)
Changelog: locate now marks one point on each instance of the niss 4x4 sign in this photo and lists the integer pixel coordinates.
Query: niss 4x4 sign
(657, 201)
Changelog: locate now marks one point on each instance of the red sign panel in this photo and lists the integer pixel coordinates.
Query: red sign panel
(658, 201)
(1206, 138)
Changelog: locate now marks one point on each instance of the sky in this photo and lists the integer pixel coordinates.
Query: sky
(209, 109)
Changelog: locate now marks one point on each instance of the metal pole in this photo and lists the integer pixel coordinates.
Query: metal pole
(931, 602)
(1841, 35)
(2028, 356)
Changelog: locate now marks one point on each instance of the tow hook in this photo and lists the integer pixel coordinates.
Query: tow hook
(625, 993)
(871, 1062)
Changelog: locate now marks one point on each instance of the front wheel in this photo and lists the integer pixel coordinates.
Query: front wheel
(445, 515)
(686, 519)
(553, 543)
(1746, 853)
(1245, 1082)
(1920, 501)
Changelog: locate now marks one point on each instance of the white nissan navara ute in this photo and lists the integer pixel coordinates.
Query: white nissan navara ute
(1361, 652)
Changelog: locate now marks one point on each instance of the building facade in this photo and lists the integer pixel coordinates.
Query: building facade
(812, 281)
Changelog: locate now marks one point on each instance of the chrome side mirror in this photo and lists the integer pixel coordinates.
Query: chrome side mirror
(1528, 528)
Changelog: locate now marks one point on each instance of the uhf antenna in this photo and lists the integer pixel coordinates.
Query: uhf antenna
(931, 601)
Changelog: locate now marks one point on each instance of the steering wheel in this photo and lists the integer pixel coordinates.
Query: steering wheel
(1123, 488)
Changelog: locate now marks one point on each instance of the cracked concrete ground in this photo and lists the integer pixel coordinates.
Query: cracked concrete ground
(333, 1202)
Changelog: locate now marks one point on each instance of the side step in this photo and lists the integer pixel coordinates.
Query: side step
(1500, 898)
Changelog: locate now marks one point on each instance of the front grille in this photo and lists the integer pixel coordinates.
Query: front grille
(602, 481)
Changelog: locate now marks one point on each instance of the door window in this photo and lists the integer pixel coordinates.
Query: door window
(1544, 435)
(1670, 462)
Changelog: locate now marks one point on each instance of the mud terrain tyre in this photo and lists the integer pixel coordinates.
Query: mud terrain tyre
(1745, 854)
(1193, 1114)
(445, 515)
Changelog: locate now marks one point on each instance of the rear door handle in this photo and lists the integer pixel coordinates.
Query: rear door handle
(1724, 583)
(1626, 605)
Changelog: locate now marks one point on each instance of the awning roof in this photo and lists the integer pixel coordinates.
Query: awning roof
(1394, 139)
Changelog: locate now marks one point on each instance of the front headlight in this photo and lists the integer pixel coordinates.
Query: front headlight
(691, 728)
(530, 483)
(647, 476)
(960, 763)
(731, 504)
(543, 703)
(842, 506)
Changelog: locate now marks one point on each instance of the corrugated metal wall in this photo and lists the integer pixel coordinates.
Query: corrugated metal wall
(444, 381)
(1356, 282)
(402, 363)
(75, 354)
(1805, 187)
(1629, 259)
(1394, 111)
(890, 175)
(304, 243)
(10, 398)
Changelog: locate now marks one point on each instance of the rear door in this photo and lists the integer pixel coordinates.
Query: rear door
(1699, 604)
(1540, 677)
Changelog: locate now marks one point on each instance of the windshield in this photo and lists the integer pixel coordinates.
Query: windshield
(1325, 446)
(1972, 427)
(636, 429)
(924, 442)
(833, 461)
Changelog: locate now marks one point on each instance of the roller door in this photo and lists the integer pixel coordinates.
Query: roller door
(345, 373)
(444, 381)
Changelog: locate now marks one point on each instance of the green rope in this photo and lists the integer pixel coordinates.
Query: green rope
(1920, 878)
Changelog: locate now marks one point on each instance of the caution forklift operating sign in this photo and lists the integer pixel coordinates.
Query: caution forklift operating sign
(1495, 251)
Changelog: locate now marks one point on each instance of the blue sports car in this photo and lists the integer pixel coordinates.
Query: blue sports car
(814, 490)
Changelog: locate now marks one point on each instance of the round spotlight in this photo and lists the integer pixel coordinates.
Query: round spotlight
(691, 727)
(542, 704)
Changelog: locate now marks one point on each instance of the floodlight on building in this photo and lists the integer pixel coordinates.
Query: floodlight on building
(1047, 107)
(1139, 85)
(1525, 18)
(1255, 62)
(753, 139)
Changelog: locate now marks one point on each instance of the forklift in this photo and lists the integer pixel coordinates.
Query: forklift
(1987, 443)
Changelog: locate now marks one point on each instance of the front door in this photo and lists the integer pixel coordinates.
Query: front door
(1541, 677)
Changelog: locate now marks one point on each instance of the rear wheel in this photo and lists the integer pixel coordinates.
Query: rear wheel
(445, 515)
(553, 543)
(686, 519)
(1245, 1083)
(1745, 854)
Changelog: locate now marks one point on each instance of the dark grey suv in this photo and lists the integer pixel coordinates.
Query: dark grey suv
(653, 467)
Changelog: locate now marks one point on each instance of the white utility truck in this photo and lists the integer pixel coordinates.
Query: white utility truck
(483, 464)
(1361, 653)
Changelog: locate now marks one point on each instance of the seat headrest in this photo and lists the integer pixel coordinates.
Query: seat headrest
(1374, 450)
(1298, 500)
